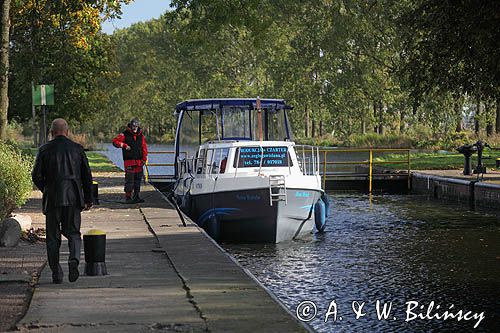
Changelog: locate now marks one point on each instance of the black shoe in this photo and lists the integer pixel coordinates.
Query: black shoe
(129, 200)
(57, 276)
(73, 271)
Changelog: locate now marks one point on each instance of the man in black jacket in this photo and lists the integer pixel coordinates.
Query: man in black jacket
(63, 174)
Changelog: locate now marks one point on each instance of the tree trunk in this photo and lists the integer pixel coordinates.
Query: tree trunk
(489, 129)
(363, 127)
(313, 128)
(306, 127)
(457, 105)
(380, 119)
(402, 126)
(4, 67)
(488, 108)
(375, 128)
(321, 128)
(497, 122)
(476, 118)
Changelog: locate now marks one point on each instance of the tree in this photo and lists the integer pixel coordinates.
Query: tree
(453, 46)
(4, 67)
(60, 43)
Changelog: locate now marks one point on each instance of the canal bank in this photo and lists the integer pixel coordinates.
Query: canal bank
(482, 192)
(162, 276)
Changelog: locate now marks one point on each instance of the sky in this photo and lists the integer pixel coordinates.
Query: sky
(138, 10)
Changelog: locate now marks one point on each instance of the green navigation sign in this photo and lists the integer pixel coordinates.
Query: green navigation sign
(43, 94)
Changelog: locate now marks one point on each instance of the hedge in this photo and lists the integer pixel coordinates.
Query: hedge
(15, 178)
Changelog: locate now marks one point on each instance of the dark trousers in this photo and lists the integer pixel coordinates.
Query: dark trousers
(66, 221)
(133, 182)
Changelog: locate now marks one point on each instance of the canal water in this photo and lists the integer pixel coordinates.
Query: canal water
(419, 256)
(115, 155)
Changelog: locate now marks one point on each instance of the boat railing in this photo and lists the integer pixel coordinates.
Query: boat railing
(308, 158)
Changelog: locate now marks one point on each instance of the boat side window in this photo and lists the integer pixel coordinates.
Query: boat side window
(209, 126)
(208, 162)
(219, 160)
(276, 125)
(200, 160)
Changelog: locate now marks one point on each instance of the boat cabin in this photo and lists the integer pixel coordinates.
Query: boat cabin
(231, 120)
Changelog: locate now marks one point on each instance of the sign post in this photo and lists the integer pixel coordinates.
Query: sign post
(43, 95)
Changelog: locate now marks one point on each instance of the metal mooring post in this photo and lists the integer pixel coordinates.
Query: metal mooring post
(370, 172)
(324, 171)
(409, 170)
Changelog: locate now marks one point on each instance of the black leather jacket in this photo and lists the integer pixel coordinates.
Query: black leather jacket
(63, 174)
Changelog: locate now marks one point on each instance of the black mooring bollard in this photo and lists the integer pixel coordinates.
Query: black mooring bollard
(467, 151)
(94, 244)
(95, 192)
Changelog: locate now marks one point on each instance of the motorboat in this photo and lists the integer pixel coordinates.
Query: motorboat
(240, 176)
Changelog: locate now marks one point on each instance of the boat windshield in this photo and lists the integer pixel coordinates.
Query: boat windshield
(236, 123)
(242, 123)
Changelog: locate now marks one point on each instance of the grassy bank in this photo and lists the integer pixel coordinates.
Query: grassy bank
(97, 161)
(100, 163)
(437, 161)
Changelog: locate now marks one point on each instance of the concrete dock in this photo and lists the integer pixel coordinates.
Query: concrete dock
(481, 192)
(162, 276)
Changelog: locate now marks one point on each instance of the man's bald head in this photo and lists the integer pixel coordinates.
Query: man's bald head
(59, 127)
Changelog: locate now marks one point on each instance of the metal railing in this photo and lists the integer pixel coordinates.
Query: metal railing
(312, 161)
(369, 161)
(147, 174)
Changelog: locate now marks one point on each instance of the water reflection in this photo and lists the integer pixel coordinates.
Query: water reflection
(397, 249)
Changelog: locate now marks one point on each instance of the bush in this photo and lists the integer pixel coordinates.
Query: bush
(15, 178)
(373, 140)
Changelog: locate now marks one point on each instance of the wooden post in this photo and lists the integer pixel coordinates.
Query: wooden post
(259, 116)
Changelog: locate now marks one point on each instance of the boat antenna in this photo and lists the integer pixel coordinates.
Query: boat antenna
(259, 117)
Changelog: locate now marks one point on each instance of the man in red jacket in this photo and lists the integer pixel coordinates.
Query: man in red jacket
(135, 154)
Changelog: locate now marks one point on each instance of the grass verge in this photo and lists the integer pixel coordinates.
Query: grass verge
(100, 163)
(436, 161)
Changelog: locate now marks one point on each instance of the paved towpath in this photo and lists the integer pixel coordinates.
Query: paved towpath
(162, 277)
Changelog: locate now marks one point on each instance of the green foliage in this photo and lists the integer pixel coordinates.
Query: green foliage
(15, 179)
(420, 140)
(59, 42)
(452, 46)
(370, 140)
(405, 69)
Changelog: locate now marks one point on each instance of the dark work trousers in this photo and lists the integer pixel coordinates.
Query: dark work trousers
(133, 182)
(64, 220)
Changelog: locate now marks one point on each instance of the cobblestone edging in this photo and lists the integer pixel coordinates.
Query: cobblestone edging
(471, 192)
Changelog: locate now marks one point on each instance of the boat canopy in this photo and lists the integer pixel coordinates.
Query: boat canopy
(217, 103)
(219, 119)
